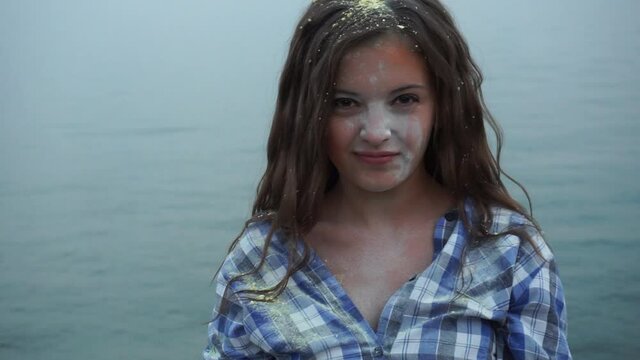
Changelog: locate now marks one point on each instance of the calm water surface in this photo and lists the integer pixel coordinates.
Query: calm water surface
(132, 137)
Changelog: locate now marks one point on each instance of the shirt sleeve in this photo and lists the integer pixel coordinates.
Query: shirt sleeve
(536, 324)
(228, 335)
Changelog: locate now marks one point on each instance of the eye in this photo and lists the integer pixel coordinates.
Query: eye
(405, 99)
(344, 103)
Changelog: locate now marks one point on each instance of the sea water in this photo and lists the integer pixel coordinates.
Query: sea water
(132, 137)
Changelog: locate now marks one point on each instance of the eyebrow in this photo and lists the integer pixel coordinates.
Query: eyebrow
(410, 86)
(400, 89)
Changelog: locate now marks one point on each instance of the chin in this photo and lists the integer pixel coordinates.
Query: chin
(378, 185)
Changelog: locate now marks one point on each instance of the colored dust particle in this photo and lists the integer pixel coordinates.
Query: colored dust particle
(374, 12)
(371, 4)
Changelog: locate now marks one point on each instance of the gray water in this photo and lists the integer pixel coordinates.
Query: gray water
(132, 138)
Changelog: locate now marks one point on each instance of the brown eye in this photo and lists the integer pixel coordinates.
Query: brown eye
(406, 99)
(344, 103)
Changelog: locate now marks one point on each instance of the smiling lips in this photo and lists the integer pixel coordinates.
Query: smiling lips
(376, 157)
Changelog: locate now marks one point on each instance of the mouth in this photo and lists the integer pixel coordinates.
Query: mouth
(376, 157)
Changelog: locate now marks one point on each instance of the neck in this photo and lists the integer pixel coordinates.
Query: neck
(420, 198)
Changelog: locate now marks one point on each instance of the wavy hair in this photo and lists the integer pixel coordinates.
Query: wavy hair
(458, 156)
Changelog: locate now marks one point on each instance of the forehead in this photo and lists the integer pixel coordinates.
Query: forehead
(390, 42)
(391, 56)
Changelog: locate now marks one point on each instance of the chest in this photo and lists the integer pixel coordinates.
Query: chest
(371, 270)
(315, 320)
(370, 287)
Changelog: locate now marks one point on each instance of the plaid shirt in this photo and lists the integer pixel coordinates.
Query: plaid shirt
(507, 302)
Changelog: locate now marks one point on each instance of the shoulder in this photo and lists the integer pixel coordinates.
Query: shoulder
(249, 247)
(503, 267)
(512, 230)
(254, 246)
(535, 322)
(518, 249)
(517, 230)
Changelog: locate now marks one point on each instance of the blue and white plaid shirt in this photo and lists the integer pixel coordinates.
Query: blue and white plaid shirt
(507, 302)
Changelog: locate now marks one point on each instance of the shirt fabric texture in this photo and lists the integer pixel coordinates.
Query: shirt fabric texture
(504, 302)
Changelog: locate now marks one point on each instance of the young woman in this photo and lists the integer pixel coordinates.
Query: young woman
(381, 227)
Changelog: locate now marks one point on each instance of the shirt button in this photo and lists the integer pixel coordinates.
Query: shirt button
(377, 352)
(450, 216)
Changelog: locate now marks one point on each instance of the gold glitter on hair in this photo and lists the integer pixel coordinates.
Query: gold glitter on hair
(371, 4)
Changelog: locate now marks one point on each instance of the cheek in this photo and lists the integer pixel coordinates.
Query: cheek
(340, 134)
(417, 135)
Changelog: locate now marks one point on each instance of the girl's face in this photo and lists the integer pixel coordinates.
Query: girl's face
(382, 115)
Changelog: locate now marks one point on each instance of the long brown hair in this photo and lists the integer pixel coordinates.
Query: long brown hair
(458, 156)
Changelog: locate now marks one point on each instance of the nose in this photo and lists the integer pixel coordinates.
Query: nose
(375, 127)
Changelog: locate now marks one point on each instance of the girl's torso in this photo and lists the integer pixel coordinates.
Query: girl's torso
(455, 308)
(316, 316)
